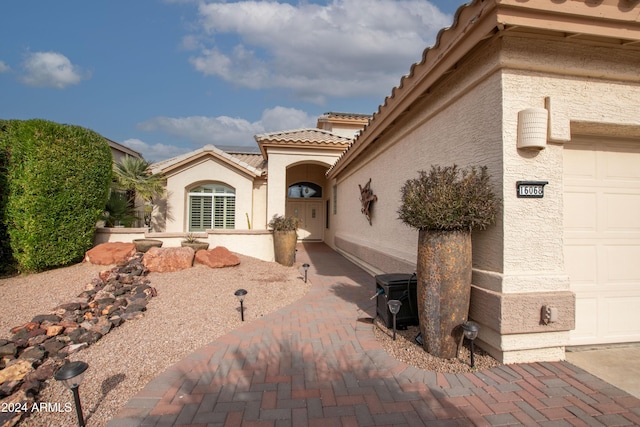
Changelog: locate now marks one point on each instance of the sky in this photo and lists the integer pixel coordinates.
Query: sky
(165, 77)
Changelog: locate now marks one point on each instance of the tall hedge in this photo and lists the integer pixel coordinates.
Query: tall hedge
(6, 258)
(58, 178)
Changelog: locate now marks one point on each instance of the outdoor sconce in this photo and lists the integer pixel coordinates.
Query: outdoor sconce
(71, 375)
(532, 128)
(240, 293)
(471, 333)
(306, 268)
(394, 308)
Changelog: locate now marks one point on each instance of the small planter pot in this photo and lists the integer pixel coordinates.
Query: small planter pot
(196, 246)
(143, 245)
(284, 247)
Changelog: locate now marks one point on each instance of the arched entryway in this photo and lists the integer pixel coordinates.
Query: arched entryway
(306, 199)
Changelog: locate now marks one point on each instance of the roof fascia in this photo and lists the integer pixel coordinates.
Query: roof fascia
(252, 172)
(574, 18)
(123, 148)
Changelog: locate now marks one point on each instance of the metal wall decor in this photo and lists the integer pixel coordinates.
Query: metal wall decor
(366, 197)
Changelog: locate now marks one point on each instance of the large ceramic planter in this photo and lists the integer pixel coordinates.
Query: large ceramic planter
(284, 247)
(196, 246)
(143, 245)
(444, 288)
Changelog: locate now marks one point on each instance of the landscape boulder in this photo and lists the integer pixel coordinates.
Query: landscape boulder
(163, 260)
(217, 257)
(110, 253)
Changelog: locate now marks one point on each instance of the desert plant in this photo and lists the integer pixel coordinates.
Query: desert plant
(449, 198)
(133, 175)
(445, 205)
(282, 223)
(58, 181)
(119, 211)
(191, 238)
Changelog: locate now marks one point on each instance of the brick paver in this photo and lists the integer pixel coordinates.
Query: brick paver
(317, 363)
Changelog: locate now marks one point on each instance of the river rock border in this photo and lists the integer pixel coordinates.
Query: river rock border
(38, 348)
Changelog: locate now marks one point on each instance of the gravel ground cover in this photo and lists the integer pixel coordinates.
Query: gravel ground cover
(407, 350)
(193, 308)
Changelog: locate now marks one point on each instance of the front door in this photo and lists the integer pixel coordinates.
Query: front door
(311, 215)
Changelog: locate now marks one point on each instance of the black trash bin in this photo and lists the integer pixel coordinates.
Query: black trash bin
(398, 286)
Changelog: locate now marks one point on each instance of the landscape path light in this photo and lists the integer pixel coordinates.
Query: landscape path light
(306, 268)
(240, 293)
(471, 333)
(71, 375)
(394, 308)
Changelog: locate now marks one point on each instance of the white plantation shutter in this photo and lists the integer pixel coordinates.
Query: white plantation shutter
(212, 206)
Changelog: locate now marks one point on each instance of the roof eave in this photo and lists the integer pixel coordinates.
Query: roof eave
(476, 22)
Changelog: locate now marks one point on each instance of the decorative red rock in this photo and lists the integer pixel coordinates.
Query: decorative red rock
(164, 260)
(110, 253)
(217, 257)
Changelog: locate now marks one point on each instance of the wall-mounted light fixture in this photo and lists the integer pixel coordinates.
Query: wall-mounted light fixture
(532, 128)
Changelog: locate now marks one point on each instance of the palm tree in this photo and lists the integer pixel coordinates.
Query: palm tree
(133, 175)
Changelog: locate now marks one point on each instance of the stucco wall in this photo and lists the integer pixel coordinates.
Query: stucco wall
(279, 160)
(471, 118)
(202, 171)
(254, 243)
(459, 122)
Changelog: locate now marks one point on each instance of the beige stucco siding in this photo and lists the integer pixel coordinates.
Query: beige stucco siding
(459, 122)
(280, 159)
(202, 171)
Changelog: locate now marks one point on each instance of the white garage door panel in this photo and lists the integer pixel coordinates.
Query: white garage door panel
(602, 239)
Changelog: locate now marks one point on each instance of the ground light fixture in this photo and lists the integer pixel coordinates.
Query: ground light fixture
(471, 333)
(71, 375)
(240, 293)
(394, 308)
(306, 268)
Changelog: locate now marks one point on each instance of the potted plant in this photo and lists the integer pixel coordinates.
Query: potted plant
(191, 241)
(445, 205)
(285, 237)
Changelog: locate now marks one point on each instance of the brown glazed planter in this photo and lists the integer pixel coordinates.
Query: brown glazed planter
(444, 288)
(143, 245)
(284, 247)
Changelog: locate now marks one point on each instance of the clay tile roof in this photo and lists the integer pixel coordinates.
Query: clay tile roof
(309, 137)
(238, 161)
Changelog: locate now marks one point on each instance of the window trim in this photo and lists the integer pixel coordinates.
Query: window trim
(219, 193)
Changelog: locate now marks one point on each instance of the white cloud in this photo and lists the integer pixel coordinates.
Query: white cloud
(155, 152)
(344, 48)
(4, 67)
(224, 130)
(51, 69)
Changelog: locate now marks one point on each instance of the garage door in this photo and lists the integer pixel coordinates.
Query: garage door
(602, 238)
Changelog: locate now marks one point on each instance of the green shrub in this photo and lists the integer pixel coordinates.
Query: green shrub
(449, 198)
(59, 178)
(6, 258)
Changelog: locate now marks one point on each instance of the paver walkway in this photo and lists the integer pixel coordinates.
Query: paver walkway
(317, 363)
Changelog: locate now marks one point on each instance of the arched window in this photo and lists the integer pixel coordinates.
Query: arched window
(304, 190)
(212, 206)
